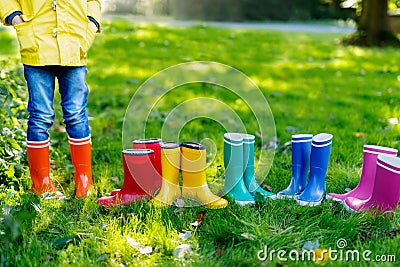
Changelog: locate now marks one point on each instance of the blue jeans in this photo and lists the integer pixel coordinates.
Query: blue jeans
(73, 90)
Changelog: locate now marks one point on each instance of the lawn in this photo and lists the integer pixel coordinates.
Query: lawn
(312, 84)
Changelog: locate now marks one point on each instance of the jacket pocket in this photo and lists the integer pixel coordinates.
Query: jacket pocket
(26, 37)
(89, 38)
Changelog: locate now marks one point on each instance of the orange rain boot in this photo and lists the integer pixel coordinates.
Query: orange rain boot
(81, 155)
(194, 182)
(39, 167)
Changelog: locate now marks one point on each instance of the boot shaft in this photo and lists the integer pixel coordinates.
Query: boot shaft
(371, 153)
(81, 151)
(301, 150)
(321, 151)
(193, 164)
(367, 179)
(38, 157)
(386, 192)
(234, 160)
(170, 161)
(155, 145)
(248, 155)
(81, 155)
(39, 165)
(139, 172)
(234, 153)
(320, 155)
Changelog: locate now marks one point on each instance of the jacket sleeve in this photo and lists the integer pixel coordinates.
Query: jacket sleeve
(7, 7)
(94, 11)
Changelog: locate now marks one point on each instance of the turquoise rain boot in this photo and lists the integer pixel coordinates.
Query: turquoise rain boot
(301, 149)
(315, 190)
(233, 161)
(249, 178)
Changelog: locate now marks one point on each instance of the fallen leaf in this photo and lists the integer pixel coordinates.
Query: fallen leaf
(146, 250)
(132, 242)
(267, 187)
(311, 245)
(180, 203)
(185, 236)
(359, 134)
(258, 133)
(179, 251)
(248, 236)
(219, 251)
(200, 218)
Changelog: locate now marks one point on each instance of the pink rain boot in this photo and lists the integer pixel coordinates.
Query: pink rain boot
(364, 188)
(386, 190)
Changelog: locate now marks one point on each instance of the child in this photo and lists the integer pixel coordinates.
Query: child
(54, 37)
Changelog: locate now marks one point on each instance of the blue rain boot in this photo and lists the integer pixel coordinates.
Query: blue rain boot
(233, 161)
(301, 149)
(316, 187)
(248, 160)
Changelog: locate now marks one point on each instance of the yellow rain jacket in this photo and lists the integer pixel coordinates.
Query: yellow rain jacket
(55, 32)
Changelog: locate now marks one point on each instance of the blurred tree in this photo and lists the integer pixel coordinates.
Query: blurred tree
(238, 10)
(137, 7)
(373, 27)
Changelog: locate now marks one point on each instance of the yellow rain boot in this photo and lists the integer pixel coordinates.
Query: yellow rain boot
(194, 183)
(170, 162)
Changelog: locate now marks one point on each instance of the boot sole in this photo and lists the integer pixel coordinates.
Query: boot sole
(245, 203)
(284, 196)
(348, 208)
(273, 197)
(308, 203)
(327, 197)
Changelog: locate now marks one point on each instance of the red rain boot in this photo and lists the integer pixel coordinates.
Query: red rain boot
(81, 154)
(386, 191)
(155, 145)
(138, 177)
(39, 167)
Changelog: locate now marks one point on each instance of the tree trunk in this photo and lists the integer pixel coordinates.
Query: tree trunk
(373, 27)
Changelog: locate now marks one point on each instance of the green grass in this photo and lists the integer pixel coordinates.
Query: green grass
(312, 84)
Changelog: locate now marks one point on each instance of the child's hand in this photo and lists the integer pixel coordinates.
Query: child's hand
(17, 20)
